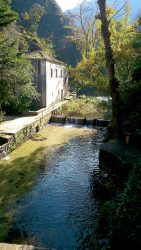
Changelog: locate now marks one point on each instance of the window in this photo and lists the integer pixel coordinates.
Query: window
(51, 73)
(61, 73)
(56, 72)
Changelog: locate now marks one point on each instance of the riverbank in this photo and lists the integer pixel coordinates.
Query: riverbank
(18, 247)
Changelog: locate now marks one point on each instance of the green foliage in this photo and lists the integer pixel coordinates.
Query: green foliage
(86, 106)
(32, 17)
(130, 91)
(91, 70)
(36, 43)
(126, 223)
(16, 88)
(119, 222)
(130, 94)
(7, 16)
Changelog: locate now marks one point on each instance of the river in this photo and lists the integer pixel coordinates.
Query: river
(59, 211)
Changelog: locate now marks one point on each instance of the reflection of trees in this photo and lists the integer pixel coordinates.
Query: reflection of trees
(85, 224)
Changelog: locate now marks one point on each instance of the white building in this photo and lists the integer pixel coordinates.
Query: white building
(51, 78)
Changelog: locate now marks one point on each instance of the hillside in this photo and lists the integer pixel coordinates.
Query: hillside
(45, 18)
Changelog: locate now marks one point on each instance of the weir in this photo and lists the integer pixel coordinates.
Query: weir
(79, 121)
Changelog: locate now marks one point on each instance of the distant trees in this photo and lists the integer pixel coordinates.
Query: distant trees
(85, 28)
(32, 17)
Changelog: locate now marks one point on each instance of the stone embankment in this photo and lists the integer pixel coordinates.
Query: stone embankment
(16, 130)
(115, 162)
(4, 246)
(14, 133)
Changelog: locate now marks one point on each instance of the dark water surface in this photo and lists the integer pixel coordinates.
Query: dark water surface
(58, 213)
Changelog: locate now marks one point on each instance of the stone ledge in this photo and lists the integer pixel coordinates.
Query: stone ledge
(125, 154)
(115, 162)
(117, 159)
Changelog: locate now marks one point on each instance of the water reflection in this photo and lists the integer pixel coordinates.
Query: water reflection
(59, 212)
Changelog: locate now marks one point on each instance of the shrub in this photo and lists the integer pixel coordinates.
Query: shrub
(119, 222)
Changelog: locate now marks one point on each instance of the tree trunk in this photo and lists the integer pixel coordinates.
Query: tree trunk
(0, 109)
(110, 64)
(1, 115)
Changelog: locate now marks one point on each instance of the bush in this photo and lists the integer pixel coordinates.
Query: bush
(119, 222)
(130, 94)
(126, 221)
(71, 107)
(85, 106)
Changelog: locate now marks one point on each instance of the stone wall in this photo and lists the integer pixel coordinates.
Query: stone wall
(12, 141)
(115, 162)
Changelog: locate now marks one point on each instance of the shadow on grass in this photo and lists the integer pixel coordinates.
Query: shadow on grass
(16, 178)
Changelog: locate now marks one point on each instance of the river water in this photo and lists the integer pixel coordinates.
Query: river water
(59, 211)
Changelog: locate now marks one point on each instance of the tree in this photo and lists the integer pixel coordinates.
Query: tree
(91, 70)
(7, 16)
(16, 88)
(110, 64)
(84, 31)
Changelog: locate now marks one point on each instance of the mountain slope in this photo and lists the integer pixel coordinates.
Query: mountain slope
(46, 19)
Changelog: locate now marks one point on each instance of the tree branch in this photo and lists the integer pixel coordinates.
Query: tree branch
(118, 11)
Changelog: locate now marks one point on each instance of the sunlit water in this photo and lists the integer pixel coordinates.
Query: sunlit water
(59, 212)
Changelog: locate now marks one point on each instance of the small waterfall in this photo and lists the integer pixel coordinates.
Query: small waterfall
(71, 120)
(77, 121)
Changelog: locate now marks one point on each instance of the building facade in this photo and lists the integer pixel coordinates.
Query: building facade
(51, 78)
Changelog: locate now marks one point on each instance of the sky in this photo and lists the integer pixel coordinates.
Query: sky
(69, 4)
